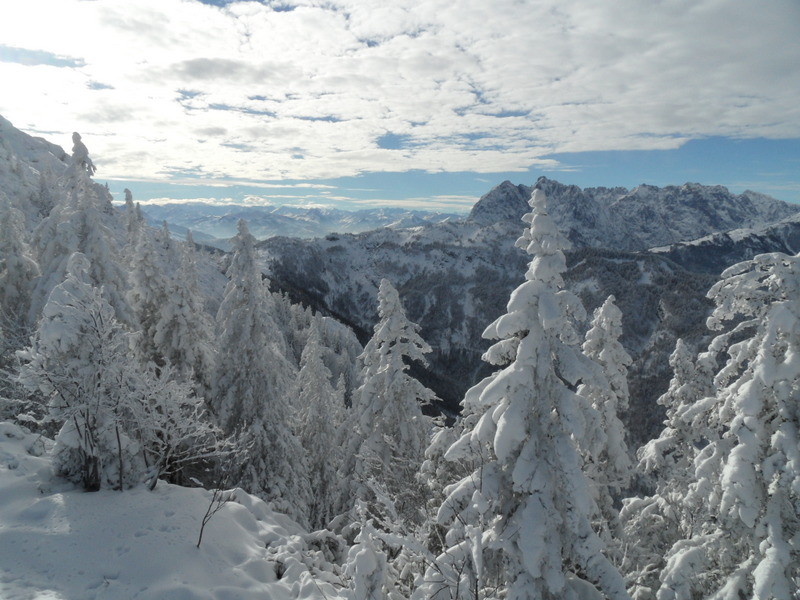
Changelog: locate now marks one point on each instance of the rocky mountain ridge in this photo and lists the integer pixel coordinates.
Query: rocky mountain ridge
(637, 219)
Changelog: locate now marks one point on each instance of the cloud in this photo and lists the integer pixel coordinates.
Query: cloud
(444, 203)
(28, 57)
(332, 88)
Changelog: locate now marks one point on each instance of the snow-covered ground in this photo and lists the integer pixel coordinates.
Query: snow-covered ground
(60, 543)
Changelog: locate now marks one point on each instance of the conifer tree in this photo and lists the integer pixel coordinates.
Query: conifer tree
(82, 221)
(17, 272)
(519, 526)
(320, 417)
(391, 433)
(134, 221)
(367, 567)
(652, 524)
(182, 332)
(253, 378)
(747, 472)
(149, 293)
(608, 464)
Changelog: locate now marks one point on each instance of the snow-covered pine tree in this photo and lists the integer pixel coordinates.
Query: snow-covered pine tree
(747, 475)
(17, 272)
(320, 417)
(608, 464)
(519, 526)
(251, 385)
(437, 474)
(148, 294)
(367, 567)
(391, 433)
(134, 222)
(78, 360)
(182, 332)
(652, 524)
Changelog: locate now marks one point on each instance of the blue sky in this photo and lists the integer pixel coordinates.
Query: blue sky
(411, 103)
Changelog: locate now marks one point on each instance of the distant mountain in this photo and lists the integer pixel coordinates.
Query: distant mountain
(715, 252)
(637, 219)
(215, 221)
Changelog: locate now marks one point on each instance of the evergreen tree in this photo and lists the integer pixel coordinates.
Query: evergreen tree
(83, 221)
(134, 221)
(182, 332)
(17, 272)
(320, 417)
(652, 524)
(391, 433)
(367, 567)
(747, 473)
(149, 293)
(608, 464)
(251, 385)
(519, 526)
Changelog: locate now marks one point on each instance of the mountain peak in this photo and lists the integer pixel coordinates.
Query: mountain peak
(502, 203)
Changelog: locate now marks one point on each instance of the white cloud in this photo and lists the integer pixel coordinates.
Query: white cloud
(161, 88)
(445, 203)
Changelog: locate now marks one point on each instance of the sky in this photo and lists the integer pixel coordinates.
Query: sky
(414, 103)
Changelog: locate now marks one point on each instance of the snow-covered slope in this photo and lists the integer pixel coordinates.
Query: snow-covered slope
(57, 542)
(29, 169)
(713, 253)
(638, 219)
(267, 221)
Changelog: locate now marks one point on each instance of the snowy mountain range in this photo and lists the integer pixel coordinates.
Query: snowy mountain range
(219, 222)
(636, 219)
(454, 277)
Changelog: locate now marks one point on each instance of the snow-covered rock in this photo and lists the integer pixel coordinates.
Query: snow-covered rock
(637, 219)
(714, 253)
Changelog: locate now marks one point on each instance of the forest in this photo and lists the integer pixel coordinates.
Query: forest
(146, 361)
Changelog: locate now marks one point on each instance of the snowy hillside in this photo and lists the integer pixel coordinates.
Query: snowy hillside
(59, 542)
(713, 253)
(29, 169)
(156, 367)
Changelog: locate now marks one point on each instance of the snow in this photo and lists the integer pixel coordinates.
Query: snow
(59, 543)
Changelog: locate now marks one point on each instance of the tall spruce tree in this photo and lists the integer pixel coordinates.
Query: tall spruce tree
(391, 433)
(320, 418)
(653, 523)
(149, 292)
(182, 331)
(253, 378)
(608, 463)
(519, 526)
(18, 270)
(82, 221)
